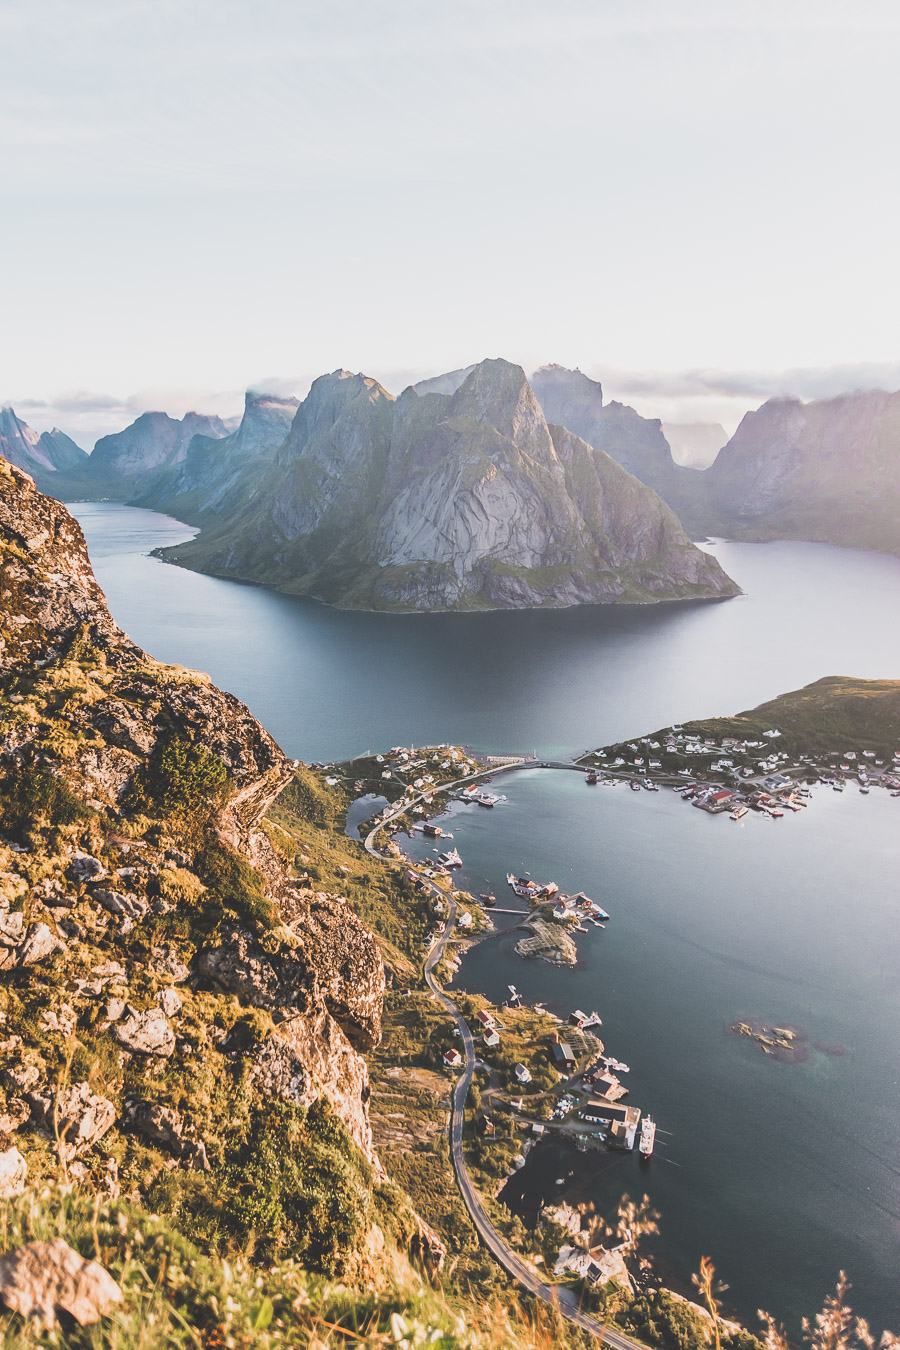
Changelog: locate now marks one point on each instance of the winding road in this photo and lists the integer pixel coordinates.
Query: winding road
(564, 1300)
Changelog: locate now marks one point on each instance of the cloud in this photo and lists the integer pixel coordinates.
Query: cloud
(804, 382)
(86, 415)
(692, 395)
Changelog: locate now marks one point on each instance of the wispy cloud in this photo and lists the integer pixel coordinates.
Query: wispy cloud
(684, 395)
(801, 382)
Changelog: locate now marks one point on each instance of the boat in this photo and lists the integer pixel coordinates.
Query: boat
(739, 812)
(635, 787)
(591, 777)
(487, 799)
(648, 1136)
(451, 859)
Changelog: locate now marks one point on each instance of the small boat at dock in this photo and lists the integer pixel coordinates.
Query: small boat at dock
(451, 859)
(648, 1137)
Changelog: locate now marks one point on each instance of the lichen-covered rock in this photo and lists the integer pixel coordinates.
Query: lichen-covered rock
(21, 946)
(13, 1115)
(120, 902)
(164, 1125)
(81, 1117)
(42, 1279)
(13, 1171)
(146, 1033)
(85, 705)
(40, 943)
(85, 868)
(170, 1002)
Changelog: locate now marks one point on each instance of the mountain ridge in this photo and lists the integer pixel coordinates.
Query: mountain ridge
(452, 501)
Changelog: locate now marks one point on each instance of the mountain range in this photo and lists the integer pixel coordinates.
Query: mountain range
(463, 500)
(46, 455)
(481, 488)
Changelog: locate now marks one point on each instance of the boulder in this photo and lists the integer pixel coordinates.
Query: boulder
(42, 1279)
(13, 1170)
(83, 1118)
(40, 943)
(146, 1033)
(121, 902)
(164, 1125)
(167, 962)
(170, 1002)
(23, 1077)
(12, 928)
(13, 1115)
(83, 868)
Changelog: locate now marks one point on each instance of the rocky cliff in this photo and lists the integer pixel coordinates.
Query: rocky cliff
(573, 400)
(211, 478)
(827, 471)
(143, 909)
(42, 456)
(467, 500)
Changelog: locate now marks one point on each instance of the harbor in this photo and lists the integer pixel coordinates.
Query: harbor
(687, 954)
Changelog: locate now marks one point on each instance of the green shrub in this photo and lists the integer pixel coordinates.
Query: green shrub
(233, 886)
(34, 795)
(293, 1185)
(187, 782)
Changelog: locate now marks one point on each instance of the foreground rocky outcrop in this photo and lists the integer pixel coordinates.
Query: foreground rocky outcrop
(132, 861)
(827, 471)
(466, 500)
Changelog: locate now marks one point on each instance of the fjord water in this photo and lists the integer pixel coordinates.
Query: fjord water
(782, 1173)
(332, 683)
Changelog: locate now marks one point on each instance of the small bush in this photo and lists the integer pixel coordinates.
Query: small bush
(187, 783)
(34, 795)
(234, 887)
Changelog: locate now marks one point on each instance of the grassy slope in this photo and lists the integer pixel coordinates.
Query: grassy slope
(837, 713)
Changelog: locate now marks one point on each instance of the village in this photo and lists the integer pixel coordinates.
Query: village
(742, 775)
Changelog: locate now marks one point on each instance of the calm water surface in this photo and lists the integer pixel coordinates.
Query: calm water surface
(783, 1173)
(330, 683)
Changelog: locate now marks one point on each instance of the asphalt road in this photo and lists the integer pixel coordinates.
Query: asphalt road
(562, 1299)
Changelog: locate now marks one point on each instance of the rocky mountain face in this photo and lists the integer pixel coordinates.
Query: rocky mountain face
(41, 455)
(467, 500)
(212, 476)
(573, 400)
(827, 471)
(141, 902)
(120, 463)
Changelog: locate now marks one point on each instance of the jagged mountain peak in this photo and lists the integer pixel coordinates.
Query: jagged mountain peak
(449, 501)
(557, 380)
(39, 455)
(497, 393)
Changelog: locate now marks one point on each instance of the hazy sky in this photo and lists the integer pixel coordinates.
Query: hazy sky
(686, 198)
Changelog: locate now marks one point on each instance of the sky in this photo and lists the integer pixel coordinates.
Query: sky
(696, 202)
